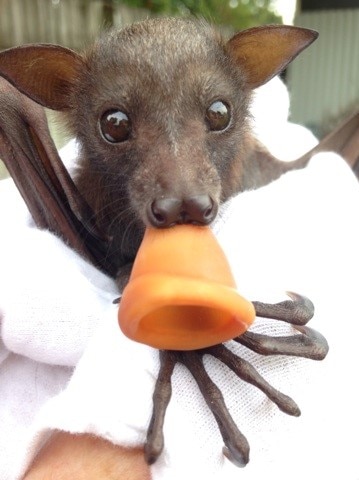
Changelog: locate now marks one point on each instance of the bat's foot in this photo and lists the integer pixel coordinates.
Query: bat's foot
(308, 343)
(298, 311)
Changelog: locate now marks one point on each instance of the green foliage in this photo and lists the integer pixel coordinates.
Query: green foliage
(237, 14)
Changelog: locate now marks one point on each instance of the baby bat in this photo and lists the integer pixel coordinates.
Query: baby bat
(160, 110)
(161, 113)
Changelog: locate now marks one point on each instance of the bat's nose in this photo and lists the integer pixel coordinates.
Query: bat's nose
(168, 211)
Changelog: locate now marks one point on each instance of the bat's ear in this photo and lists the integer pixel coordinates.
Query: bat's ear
(263, 52)
(45, 73)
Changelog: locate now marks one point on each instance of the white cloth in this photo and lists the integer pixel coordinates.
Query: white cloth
(299, 233)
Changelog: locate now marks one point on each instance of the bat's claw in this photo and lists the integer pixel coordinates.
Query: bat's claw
(297, 311)
(309, 344)
(153, 448)
(236, 458)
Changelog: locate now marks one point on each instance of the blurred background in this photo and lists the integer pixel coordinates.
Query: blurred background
(323, 81)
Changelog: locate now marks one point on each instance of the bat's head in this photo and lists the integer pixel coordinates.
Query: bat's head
(160, 109)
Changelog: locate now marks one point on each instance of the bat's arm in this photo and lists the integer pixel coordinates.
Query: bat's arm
(28, 151)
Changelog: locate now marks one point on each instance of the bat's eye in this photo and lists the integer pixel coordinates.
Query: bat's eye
(115, 126)
(218, 116)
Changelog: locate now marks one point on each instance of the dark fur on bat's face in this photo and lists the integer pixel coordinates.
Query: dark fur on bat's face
(181, 109)
(160, 110)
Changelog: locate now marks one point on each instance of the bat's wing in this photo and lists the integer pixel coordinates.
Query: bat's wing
(343, 140)
(32, 160)
(263, 167)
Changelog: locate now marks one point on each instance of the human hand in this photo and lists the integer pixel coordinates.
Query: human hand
(86, 457)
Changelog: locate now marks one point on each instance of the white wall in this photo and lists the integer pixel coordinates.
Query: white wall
(324, 80)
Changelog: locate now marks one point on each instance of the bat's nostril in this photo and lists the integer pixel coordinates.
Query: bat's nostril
(164, 212)
(167, 211)
(201, 209)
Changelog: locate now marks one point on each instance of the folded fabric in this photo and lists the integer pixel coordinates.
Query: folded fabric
(66, 365)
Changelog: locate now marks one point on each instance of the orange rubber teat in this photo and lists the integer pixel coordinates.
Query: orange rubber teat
(181, 294)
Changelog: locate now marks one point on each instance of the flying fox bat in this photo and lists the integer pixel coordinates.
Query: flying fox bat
(160, 110)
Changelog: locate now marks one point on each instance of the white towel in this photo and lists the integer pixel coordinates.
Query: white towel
(299, 233)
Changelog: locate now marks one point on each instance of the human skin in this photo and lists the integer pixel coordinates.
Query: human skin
(86, 457)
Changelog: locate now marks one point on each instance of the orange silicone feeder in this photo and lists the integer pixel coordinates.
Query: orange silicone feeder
(181, 294)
